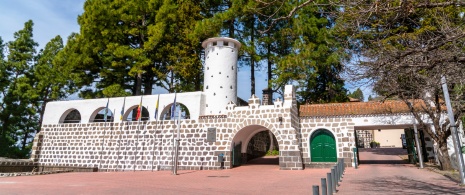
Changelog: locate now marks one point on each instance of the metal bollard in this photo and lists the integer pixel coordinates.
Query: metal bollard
(355, 157)
(343, 167)
(316, 191)
(324, 188)
(340, 172)
(330, 183)
(333, 179)
(336, 176)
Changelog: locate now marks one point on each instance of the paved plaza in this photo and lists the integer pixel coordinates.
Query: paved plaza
(260, 177)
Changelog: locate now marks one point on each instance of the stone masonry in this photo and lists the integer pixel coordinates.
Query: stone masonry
(149, 145)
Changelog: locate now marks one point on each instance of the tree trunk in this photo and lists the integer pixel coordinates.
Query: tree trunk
(252, 76)
(444, 158)
(148, 82)
(252, 61)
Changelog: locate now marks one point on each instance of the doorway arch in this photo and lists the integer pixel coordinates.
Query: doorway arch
(323, 146)
(242, 151)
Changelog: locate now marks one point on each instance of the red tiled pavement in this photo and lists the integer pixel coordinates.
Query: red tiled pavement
(249, 179)
(394, 178)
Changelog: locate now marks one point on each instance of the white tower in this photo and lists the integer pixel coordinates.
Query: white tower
(220, 78)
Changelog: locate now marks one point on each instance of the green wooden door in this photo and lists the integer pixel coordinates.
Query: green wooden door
(323, 147)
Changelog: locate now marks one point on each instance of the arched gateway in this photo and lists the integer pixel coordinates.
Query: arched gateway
(251, 142)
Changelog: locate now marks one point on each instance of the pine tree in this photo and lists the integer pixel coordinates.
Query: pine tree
(358, 94)
(17, 117)
(315, 62)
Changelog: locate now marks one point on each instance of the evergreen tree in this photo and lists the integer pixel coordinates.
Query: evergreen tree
(370, 98)
(133, 46)
(28, 81)
(358, 94)
(17, 117)
(315, 62)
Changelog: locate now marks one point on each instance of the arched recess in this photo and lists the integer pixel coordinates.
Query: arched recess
(244, 135)
(71, 116)
(131, 114)
(99, 115)
(166, 112)
(323, 146)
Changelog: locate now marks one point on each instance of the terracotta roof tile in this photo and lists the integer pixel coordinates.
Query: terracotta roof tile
(356, 108)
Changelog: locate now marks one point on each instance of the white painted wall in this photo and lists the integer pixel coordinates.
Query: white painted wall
(55, 112)
(388, 137)
(220, 78)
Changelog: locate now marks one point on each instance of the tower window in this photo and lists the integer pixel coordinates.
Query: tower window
(208, 68)
(206, 87)
(220, 73)
(232, 67)
(229, 87)
(214, 43)
(221, 87)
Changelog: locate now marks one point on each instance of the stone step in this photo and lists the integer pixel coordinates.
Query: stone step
(320, 165)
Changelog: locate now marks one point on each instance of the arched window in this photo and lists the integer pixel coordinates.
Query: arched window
(99, 115)
(166, 113)
(132, 115)
(71, 116)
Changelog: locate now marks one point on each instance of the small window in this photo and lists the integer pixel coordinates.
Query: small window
(221, 87)
(214, 43)
(220, 73)
(208, 68)
(232, 67)
(206, 87)
(225, 43)
(230, 86)
(214, 94)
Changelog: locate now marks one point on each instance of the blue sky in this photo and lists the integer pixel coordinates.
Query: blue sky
(59, 17)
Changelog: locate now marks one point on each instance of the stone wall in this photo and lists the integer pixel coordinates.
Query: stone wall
(342, 129)
(148, 145)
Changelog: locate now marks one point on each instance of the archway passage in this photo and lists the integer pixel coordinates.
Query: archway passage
(323, 146)
(254, 145)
